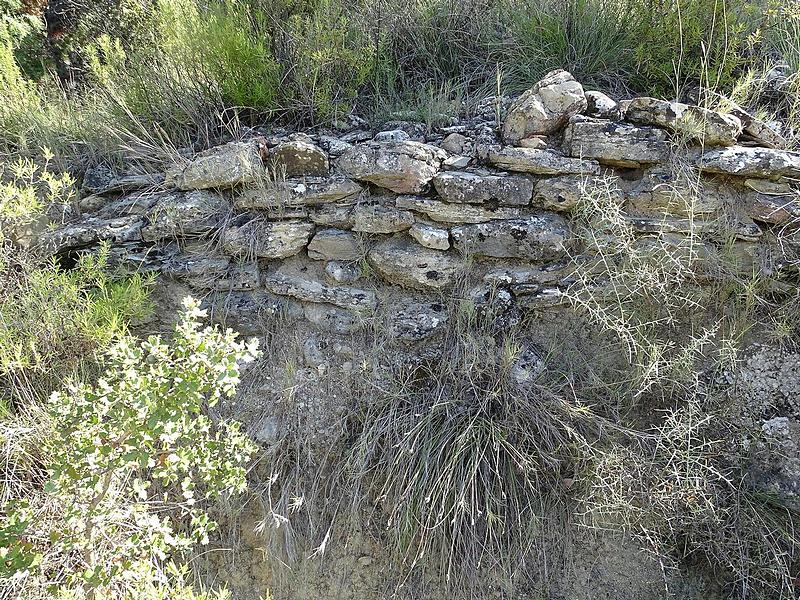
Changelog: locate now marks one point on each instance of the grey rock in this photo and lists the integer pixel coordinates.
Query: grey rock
(251, 312)
(222, 167)
(461, 187)
(266, 239)
(380, 218)
(430, 236)
(601, 106)
(545, 236)
(707, 126)
(333, 318)
(393, 135)
(544, 108)
(91, 231)
(445, 212)
(758, 131)
(403, 167)
(767, 163)
(540, 162)
(208, 271)
(298, 192)
(335, 244)
(299, 159)
(401, 261)
(456, 162)
(332, 215)
(303, 287)
(616, 144)
(184, 214)
(563, 193)
(102, 179)
(333, 145)
(416, 321)
(455, 143)
(343, 272)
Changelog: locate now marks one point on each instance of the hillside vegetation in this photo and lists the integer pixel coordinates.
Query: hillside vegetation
(645, 392)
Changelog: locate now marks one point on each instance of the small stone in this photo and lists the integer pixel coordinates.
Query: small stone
(266, 239)
(456, 162)
(544, 108)
(601, 106)
(564, 192)
(299, 159)
(184, 214)
(545, 236)
(455, 143)
(540, 162)
(286, 282)
(430, 236)
(446, 212)
(403, 167)
(537, 142)
(464, 187)
(298, 192)
(333, 145)
(222, 167)
(707, 126)
(334, 244)
(394, 135)
(380, 218)
(343, 272)
(401, 261)
(415, 321)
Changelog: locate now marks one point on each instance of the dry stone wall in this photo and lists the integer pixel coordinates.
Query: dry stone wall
(333, 226)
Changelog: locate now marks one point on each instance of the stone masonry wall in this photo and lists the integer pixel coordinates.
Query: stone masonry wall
(331, 226)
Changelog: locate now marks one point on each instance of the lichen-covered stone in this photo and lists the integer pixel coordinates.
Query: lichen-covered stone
(297, 158)
(430, 236)
(266, 239)
(544, 108)
(401, 261)
(251, 312)
(380, 218)
(445, 212)
(539, 162)
(474, 188)
(758, 131)
(298, 192)
(332, 318)
(208, 270)
(563, 193)
(707, 126)
(545, 236)
(102, 179)
(335, 244)
(298, 285)
(90, 231)
(601, 106)
(416, 321)
(184, 214)
(222, 167)
(614, 143)
(403, 167)
(332, 215)
(767, 163)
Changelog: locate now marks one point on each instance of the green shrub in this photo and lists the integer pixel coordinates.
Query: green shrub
(54, 322)
(131, 461)
(329, 60)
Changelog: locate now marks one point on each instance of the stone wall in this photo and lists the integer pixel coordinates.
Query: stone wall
(330, 226)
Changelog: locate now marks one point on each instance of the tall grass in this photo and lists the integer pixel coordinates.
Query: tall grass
(183, 66)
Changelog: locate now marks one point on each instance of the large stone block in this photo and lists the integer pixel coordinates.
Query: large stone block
(403, 167)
